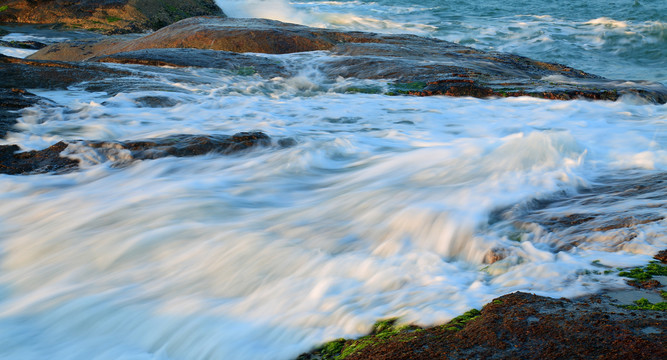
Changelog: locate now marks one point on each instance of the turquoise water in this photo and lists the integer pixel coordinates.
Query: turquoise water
(616, 39)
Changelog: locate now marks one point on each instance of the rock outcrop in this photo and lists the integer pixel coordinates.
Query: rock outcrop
(416, 65)
(109, 16)
(519, 326)
(53, 158)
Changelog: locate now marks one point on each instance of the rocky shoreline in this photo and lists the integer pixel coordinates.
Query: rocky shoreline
(517, 325)
(525, 326)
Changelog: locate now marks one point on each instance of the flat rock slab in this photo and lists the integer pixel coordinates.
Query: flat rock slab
(525, 326)
(417, 65)
(54, 159)
(36, 74)
(242, 64)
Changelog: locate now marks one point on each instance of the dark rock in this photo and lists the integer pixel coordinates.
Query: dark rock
(50, 160)
(32, 74)
(30, 45)
(525, 326)
(662, 256)
(642, 196)
(185, 145)
(110, 16)
(439, 67)
(12, 100)
(239, 63)
(3, 32)
(31, 162)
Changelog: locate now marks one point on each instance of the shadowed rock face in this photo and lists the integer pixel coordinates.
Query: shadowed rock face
(31, 74)
(110, 16)
(524, 326)
(12, 100)
(51, 159)
(418, 66)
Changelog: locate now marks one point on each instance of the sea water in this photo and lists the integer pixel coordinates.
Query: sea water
(384, 207)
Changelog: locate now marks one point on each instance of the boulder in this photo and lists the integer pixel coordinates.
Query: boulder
(109, 16)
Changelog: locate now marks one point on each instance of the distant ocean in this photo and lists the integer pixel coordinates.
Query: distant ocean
(387, 206)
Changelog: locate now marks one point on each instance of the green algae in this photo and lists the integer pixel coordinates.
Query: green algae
(647, 272)
(460, 321)
(644, 304)
(246, 71)
(405, 88)
(4, 8)
(363, 90)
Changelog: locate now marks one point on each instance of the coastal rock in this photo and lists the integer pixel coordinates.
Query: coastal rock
(415, 65)
(575, 218)
(53, 159)
(13, 162)
(29, 45)
(31, 74)
(662, 256)
(184, 145)
(242, 64)
(521, 326)
(12, 100)
(110, 16)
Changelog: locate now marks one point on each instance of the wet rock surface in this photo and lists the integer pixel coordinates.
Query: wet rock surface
(418, 66)
(184, 145)
(14, 162)
(29, 45)
(522, 326)
(595, 209)
(35, 74)
(110, 16)
(237, 63)
(12, 100)
(55, 158)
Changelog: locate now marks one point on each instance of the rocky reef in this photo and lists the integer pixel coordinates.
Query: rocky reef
(414, 65)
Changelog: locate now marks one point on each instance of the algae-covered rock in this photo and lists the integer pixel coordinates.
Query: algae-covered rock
(110, 16)
(522, 326)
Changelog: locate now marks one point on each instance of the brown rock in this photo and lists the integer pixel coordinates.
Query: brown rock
(525, 326)
(662, 256)
(30, 162)
(110, 16)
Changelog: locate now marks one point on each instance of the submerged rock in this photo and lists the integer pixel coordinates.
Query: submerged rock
(12, 100)
(110, 16)
(520, 326)
(594, 211)
(55, 159)
(415, 65)
(184, 145)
